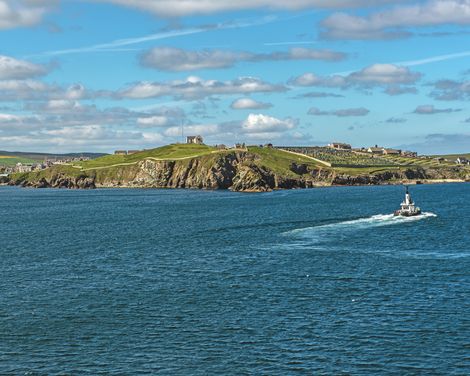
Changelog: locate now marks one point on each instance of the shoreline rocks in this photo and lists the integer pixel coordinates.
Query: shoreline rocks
(238, 172)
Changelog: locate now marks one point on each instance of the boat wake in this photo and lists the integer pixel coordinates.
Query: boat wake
(361, 223)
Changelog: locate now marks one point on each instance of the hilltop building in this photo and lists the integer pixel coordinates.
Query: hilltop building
(375, 150)
(462, 161)
(392, 151)
(411, 154)
(120, 152)
(197, 140)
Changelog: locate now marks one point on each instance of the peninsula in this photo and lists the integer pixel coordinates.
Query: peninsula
(240, 168)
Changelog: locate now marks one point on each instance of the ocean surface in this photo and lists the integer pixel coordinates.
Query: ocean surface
(178, 282)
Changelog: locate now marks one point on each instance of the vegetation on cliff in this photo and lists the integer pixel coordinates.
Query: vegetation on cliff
(205, 167)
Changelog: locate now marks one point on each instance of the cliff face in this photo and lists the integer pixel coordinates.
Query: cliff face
(238, 171)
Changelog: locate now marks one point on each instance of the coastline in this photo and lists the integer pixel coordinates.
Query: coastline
(254, 190)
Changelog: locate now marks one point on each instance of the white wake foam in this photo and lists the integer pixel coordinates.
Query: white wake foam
(362, 223)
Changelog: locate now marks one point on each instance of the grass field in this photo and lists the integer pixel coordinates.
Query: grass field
(419, 162)
(279, 160)
(169, 152)
(453, 157)
(10, 161)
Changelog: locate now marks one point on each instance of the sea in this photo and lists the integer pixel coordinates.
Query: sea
(322, 281)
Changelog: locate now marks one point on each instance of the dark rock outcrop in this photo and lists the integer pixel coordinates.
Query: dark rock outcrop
(237, 171)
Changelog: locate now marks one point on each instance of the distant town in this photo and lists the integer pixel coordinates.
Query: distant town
(324, 154)
(48, 162)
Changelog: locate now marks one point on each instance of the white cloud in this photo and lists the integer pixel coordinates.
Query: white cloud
(385, 75)
(156, 121)
(176, 59)
(61, 105)
(259, 123)
(431, 110)
(197, 88)
(23, 13)
(390, 23)
(249, 104)
(13, 69)
(174, 8)
(448, 90)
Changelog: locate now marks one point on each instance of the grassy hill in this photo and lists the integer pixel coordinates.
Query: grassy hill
(168, 152)
(10, 161)
(41, 156)
(251, 169)
(453, 157)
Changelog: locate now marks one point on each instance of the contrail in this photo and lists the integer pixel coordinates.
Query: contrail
(116, 44)
(433, 59)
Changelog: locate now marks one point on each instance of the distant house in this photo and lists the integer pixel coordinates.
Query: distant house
(411, 154)
(339, 146)
(221, 147)
(197, 140)
(269, 146)
(240, 146)
(391, 151)
(20, 167)
(132, 152)
(375, 150)
(462, 161)
(120, 152)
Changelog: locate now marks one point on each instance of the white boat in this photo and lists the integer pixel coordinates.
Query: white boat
(407, 207)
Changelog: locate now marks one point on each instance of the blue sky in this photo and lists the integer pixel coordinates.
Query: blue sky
(100, 75)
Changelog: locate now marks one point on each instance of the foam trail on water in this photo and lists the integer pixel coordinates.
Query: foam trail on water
(361, 223)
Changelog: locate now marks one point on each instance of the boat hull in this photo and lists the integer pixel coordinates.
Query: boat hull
(399, 213)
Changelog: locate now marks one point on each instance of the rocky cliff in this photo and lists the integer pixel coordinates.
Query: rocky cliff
(237, 171)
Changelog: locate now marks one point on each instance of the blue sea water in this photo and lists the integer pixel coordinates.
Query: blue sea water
(179, 282)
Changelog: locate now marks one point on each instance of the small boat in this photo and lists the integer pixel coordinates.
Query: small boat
(407, 207)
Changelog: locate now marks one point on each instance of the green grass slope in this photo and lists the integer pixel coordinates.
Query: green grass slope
(123, 167)
(168, 152)
(10, 161)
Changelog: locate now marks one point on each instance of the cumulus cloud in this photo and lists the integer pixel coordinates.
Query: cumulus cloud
(29, 89)
(171, 8)
(197, 88)
(67, 124)
(448, 90)
(384, 74)
(400, 90)
(389, 76)
(177, 60)
(23, 13)
(347, 112)
(431, 110)
(81, 138)
(249, 104)
(390, 23)
(162, 117)
(259, 123)
(13, 69)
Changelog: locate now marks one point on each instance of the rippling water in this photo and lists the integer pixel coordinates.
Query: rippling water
(174, 282)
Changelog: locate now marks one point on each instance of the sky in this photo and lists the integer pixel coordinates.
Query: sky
(101, 75)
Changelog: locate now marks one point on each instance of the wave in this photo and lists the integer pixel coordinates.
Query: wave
(361, 223)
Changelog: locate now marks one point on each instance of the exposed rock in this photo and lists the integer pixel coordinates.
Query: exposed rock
(238, 171)
(299, 169)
